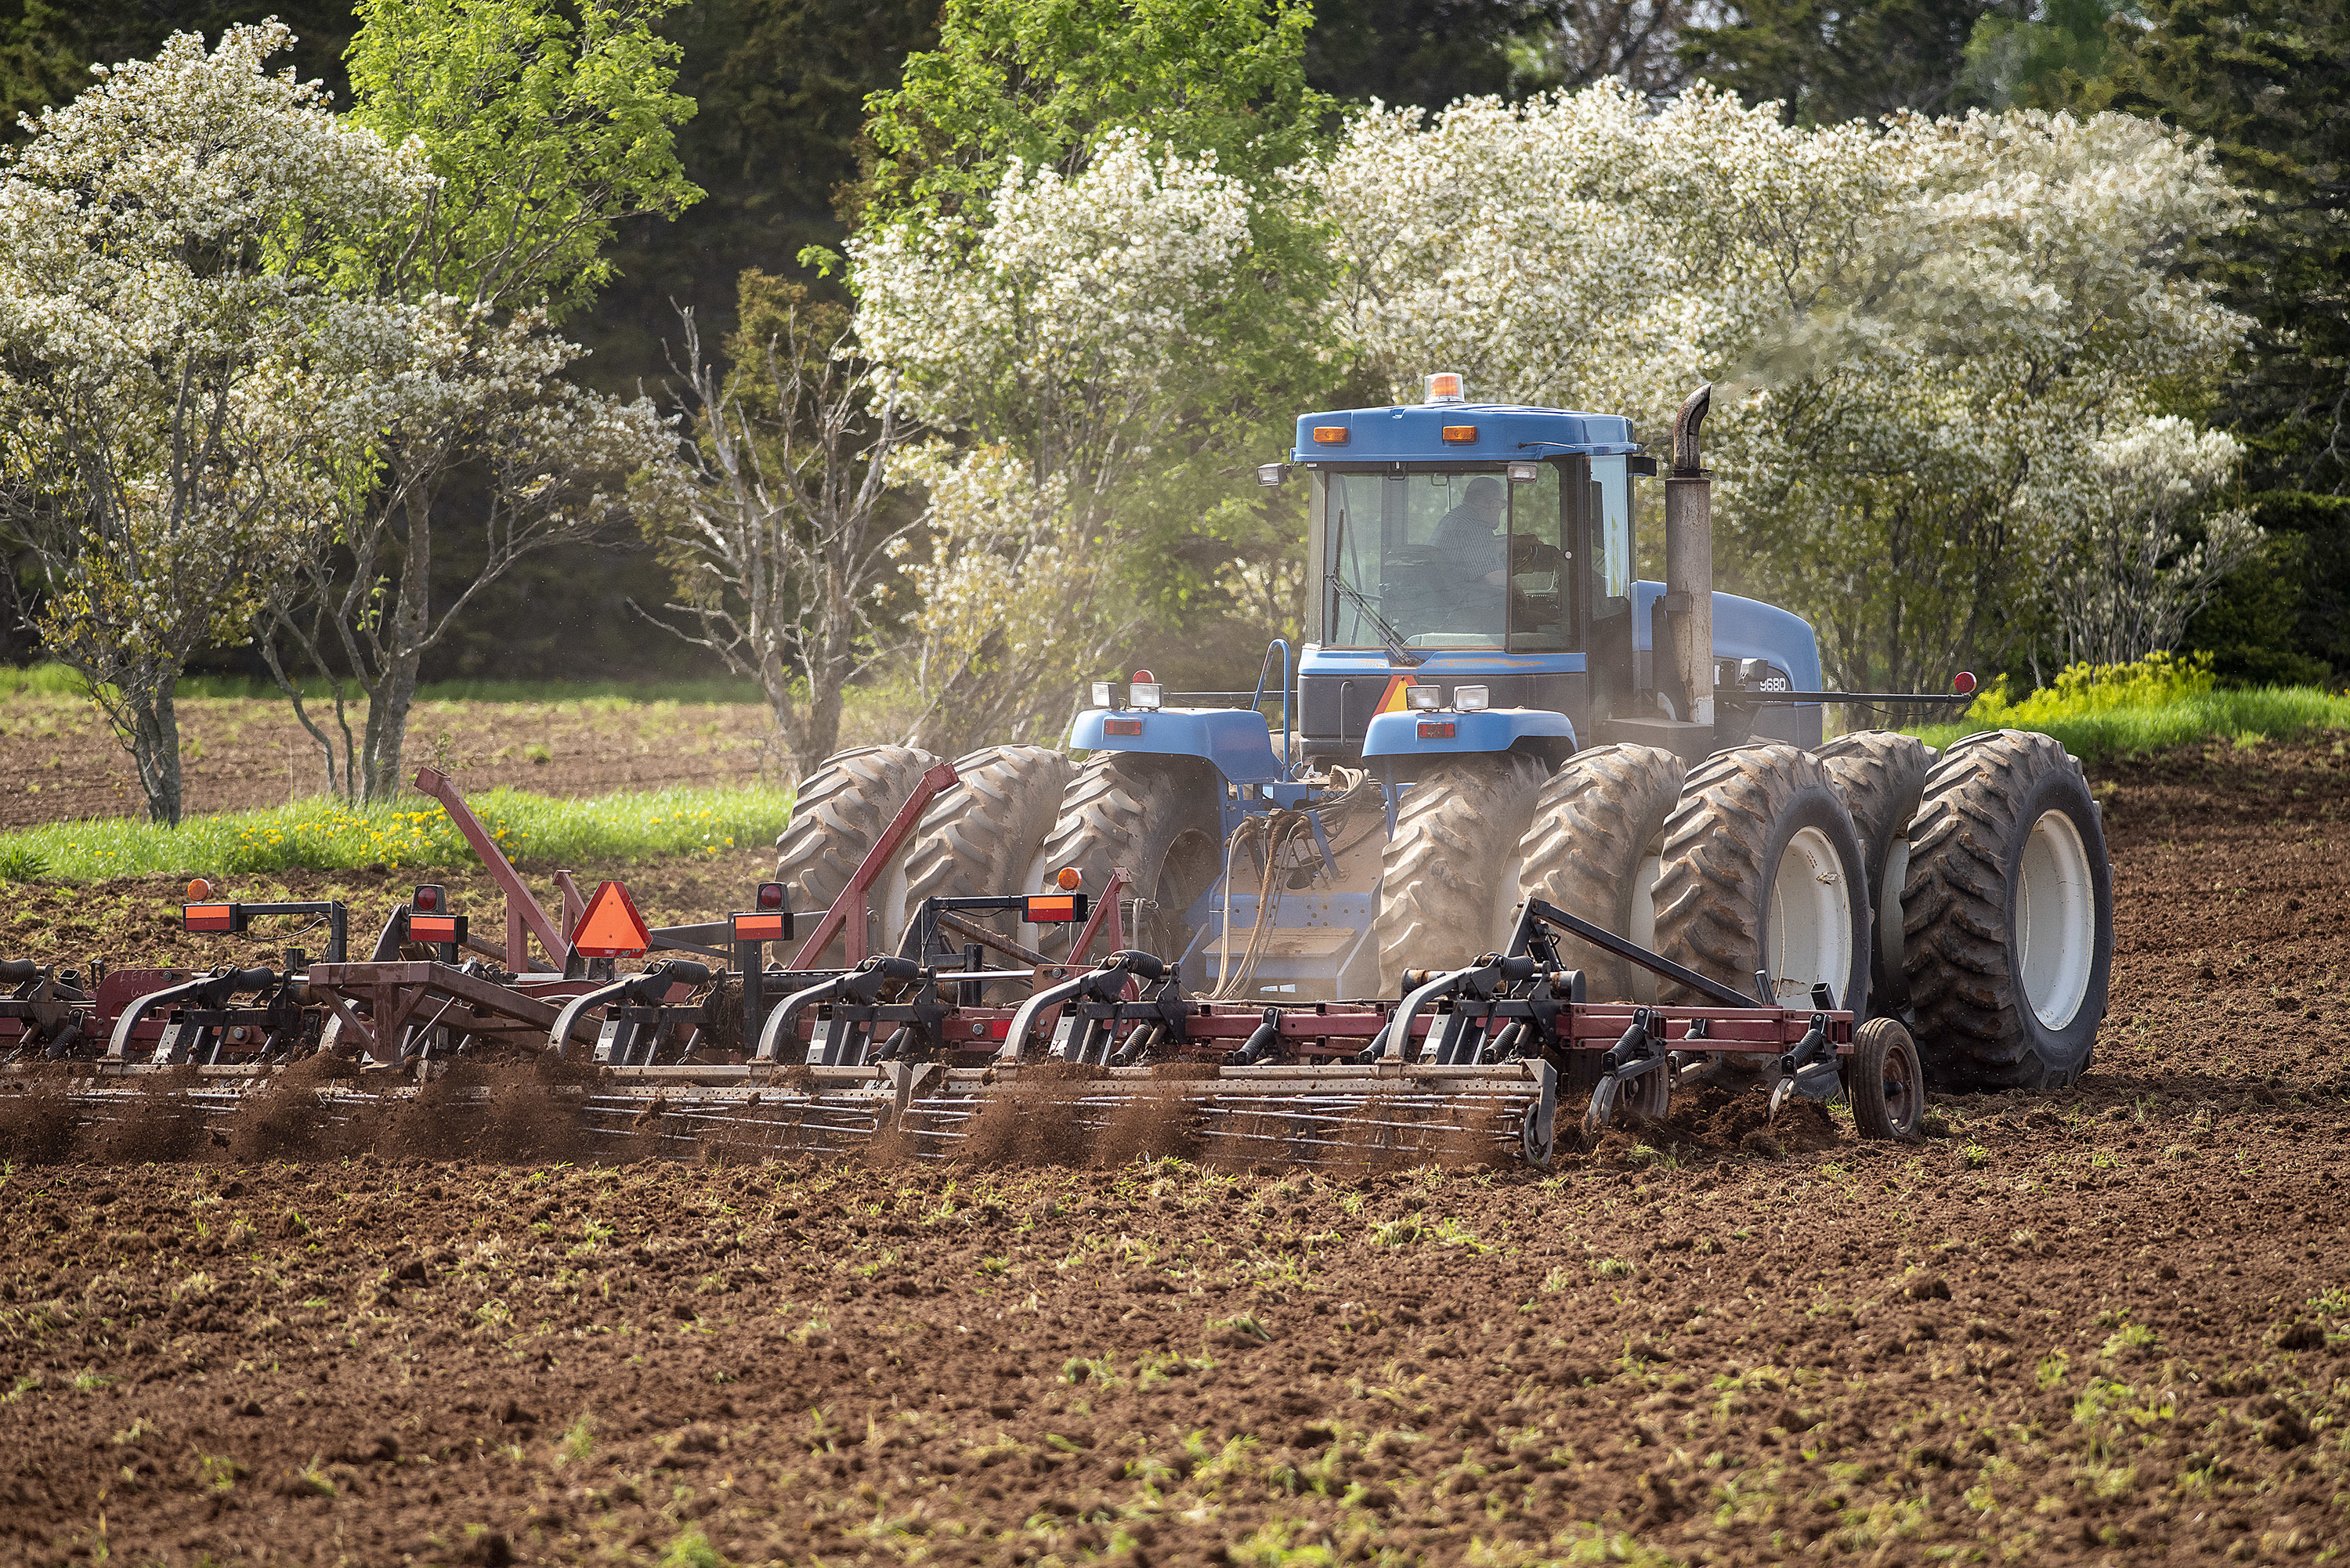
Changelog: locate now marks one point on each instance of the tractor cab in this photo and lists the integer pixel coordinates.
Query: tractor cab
(1482, 557)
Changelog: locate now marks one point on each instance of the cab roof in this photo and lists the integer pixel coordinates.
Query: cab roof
(1497, 432)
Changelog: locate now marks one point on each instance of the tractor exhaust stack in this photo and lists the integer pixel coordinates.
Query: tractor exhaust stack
(1689, 568)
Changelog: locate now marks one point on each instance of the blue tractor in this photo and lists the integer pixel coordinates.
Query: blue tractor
(1489, 707)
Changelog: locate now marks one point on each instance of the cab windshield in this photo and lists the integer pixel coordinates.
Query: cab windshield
(1458, 557)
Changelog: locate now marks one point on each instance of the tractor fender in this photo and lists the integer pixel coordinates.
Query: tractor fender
(1236, 740)
(1441, 732)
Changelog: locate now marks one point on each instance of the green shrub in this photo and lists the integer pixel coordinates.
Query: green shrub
(2160, 702)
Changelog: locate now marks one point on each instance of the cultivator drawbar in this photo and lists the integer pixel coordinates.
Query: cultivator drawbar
(982, 1048)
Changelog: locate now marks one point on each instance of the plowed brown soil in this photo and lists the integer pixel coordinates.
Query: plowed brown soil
(2111, 1325)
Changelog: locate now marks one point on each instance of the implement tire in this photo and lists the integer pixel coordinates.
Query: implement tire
(1156, 816)
(2007, 916)
(1594, 851)
(1763, 871)
(979, 838)
(1884, 1082)
(1449, 878)
(838, 814)
(1882, 774)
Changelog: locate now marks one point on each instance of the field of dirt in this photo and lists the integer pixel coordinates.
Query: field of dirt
(2110, 1324)
(58, 764)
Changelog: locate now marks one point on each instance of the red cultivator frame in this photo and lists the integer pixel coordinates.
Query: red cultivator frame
(925, 1046)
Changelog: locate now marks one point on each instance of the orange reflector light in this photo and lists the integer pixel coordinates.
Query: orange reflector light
(209, 918)
(763, 928)
(1121, 726)
(1054, 908)
(435, 928)
(199, 889)
(1330, 435)
(1069, 879)
(1458, 434)
(1436, 729)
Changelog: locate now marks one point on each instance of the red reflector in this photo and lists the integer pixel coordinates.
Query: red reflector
(208, 917)
(1458, 434)
(762, 927)
(1330, 435)
(1055, 909)
(1436, 729)
(1121, 726)
(432, 928)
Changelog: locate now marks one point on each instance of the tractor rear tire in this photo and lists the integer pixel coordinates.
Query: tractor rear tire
(1157, 816)
(1593, 850)
(2007, 916)
(1449, 878)
(1884, 1082)
(979, 838)
(1882, 774)
(837, 815)
(1763, 871)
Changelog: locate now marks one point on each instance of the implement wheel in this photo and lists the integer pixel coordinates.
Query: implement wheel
(1449, 878)
(1882, 774)
(838, 814)
(1883, 1081)
(1593, 850)
(1763, 871)
(2007, 916)
(979, 838)
(1155, 815)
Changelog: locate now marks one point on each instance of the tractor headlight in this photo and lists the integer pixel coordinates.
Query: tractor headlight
(1469, 699)
(1423, 698)
(1101, 694)
(1143, 694)
(1525, 472)
(1271, 474)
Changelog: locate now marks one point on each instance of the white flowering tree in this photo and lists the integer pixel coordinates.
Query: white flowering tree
(556, 463)
(1064, 330)
(2127, 578)
(165, 344)
(545, 125)
(1920, 328)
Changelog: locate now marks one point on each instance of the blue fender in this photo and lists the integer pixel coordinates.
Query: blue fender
(1237, 739)
(1438, 732)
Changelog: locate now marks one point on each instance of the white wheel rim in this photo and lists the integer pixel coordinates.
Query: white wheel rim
(1808, 938)
(2055, 920)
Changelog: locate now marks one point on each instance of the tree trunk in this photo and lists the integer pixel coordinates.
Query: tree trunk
(153, 726)
(395, 693)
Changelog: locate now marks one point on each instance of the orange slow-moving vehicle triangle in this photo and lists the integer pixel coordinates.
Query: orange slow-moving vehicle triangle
(1392, 699)
(610, 926)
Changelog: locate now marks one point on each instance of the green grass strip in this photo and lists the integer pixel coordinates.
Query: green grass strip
(2186, 719)
(324, 834)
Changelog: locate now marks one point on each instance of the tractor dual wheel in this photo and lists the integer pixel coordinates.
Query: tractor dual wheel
(2007, 916)
(837, 815)
(1884, 1082)
(1157, 817)
(1449, 878)
(980, 837)
(1594, 851)
(1882, 774)
(1763, 872)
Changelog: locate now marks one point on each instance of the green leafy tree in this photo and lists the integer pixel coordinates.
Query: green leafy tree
(2268, 83)
(546, 125)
